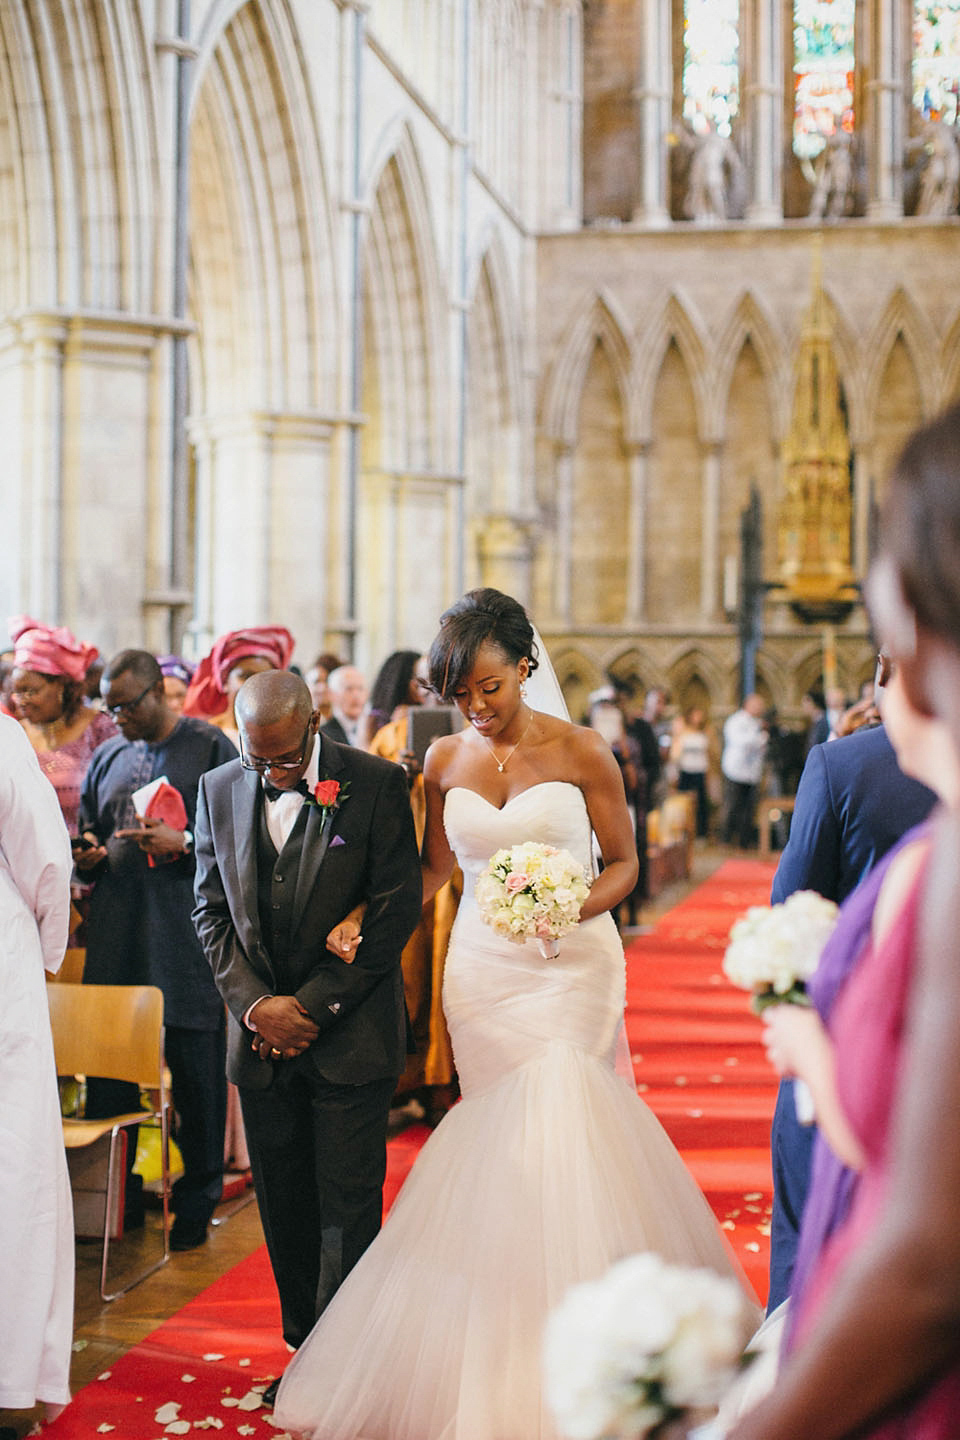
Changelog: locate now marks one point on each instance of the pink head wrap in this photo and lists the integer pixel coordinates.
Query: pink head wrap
(49, 650)
(206, 696)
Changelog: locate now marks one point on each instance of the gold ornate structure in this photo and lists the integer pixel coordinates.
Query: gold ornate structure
(815, 519)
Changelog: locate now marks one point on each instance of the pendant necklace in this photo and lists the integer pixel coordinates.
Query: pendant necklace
(500, 764)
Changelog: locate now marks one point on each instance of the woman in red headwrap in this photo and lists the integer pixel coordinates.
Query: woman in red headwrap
(234, 658)
(62, 726)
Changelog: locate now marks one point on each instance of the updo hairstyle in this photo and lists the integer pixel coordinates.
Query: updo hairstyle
(921, 524)
(480, 616)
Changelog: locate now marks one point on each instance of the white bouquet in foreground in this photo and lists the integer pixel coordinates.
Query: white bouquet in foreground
(648, 1344)
(532, 892)
(775, 949)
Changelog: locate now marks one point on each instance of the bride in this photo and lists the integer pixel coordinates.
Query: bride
(551, 1167)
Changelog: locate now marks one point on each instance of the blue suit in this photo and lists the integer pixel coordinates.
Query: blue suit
(853, 804)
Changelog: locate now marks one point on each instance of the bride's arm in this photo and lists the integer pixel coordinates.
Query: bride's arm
(602, 786)
(436, 857)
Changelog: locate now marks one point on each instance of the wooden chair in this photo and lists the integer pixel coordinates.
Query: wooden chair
(114, 1031)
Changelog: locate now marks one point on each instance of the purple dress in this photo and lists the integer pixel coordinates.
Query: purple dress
(832, 1184)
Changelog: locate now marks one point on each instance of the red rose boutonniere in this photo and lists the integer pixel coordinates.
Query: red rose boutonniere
(328, 796)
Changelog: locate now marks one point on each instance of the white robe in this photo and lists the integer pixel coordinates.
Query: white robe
(36, 1208)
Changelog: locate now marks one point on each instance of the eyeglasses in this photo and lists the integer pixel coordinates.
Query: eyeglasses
(30, 692)
(884, 671)
(124, 707)
(253, 762)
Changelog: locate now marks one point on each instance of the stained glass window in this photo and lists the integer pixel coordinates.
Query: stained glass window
(822, 72)
(711, 44)
(936, 59)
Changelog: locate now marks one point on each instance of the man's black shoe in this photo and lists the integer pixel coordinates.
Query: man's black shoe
(269, 1396)
(187, 1234)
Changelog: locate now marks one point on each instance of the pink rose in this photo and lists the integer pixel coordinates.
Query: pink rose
(517, 881)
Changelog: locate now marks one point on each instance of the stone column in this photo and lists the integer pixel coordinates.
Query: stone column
(886, 42)
(86, 523)
(862, 493)
(653, 95)
(563, 533)
(31, 413)
(763, 109)
(638, 460)
(264, 553)
(506, 550)
(710, 531)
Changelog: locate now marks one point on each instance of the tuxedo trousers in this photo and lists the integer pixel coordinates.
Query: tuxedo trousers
(318, 1153)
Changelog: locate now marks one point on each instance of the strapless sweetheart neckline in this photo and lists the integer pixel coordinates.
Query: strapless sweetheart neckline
(537, 785)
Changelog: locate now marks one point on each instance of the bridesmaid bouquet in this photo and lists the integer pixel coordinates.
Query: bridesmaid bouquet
(773, 951)
(532, 892)
(647, 1345)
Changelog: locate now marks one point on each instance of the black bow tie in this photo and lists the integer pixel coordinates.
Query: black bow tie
(273, 793)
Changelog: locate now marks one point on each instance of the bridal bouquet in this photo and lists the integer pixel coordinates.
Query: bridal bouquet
(532, 892)
(773, 951)
(646, 1345)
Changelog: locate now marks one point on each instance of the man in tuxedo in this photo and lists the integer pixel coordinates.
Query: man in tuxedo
(853, 804)
(348, 695)
(290, 838)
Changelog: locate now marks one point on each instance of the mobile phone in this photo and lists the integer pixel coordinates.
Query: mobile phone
(82, 842)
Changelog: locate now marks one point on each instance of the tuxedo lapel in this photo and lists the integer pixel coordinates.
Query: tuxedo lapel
(317, 836)
(244, 797)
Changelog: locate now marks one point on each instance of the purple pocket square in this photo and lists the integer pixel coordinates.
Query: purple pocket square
(337, 840)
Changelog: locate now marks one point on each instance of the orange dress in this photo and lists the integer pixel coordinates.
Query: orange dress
(425, 952)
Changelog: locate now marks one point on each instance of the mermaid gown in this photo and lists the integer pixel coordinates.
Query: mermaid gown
(548, 1170)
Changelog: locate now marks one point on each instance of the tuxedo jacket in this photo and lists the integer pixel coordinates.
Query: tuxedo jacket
(365, 850)
(334, 731)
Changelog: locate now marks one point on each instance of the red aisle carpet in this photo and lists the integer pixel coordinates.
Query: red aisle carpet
(699, 1065)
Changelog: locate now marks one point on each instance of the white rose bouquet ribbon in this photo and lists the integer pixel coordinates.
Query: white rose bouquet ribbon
(532, 892)
(646, 1345)
(773, 951)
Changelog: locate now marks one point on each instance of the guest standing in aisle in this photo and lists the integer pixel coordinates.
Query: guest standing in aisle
(139, 929)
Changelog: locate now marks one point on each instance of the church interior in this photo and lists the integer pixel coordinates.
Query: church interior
(319, 312)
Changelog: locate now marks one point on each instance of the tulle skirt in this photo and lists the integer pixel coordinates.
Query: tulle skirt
(548, 1170)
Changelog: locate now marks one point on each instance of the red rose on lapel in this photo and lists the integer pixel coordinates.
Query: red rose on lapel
(326, 794)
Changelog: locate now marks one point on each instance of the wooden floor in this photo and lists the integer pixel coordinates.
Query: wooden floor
(102, 1331)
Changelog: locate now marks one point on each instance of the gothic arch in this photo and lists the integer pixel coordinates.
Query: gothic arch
(638, 666)
(677, 322)
(578, 676)
(599, 319)
(493, 386)
(750, 321)
(405, 297)
(692, 662)
(806, 672)
(262, 283)
(851, 370)
(83, 147)
(902, 318)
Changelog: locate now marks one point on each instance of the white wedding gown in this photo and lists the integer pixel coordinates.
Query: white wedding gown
(548, 1170)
